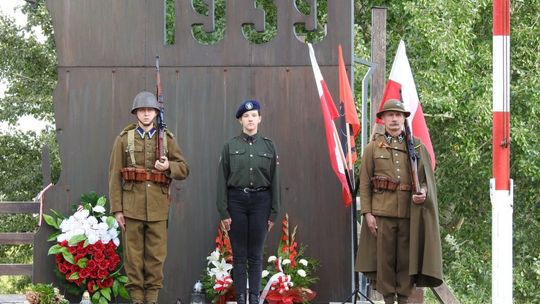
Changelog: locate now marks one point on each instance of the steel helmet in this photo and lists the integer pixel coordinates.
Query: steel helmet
(144, 100)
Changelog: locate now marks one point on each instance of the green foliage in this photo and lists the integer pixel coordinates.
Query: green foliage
(28, 66)
(449, 44)
(270, 13)
(44, 294)
(20, 173)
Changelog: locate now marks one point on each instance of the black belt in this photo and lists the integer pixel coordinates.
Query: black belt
(251, 190)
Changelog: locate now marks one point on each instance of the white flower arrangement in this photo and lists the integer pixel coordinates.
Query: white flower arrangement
(82, 225)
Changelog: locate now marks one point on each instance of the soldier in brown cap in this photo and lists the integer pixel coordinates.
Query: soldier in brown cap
(139, 197)
(399, 239)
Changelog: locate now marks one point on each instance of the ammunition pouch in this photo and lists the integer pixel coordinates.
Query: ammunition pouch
(380, 184)
(131, 174)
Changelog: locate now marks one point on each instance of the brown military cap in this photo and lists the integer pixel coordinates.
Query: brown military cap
(393, 105)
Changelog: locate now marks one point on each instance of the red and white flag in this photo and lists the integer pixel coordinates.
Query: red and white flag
(330, 113)
(401, 79)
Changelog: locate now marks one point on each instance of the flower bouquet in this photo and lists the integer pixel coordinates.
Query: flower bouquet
(217, 281)
(86, 250)
(44, 294)
(288, 276)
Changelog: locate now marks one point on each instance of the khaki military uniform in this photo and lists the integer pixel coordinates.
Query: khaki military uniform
(387, 157)
(145, 206)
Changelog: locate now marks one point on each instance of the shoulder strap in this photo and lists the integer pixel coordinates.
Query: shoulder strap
(131, 145)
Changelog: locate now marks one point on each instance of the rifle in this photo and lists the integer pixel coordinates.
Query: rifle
(160, 149)
(413, 158)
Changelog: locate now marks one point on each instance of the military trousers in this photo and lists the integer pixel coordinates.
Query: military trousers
(145, 250)
(393, 257)
(249, 213)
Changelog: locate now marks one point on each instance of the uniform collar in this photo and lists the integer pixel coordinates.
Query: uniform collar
(250, 138)
(150, 133)
(400, 138)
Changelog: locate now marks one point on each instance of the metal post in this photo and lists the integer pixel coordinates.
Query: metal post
(501, 186)
(372, 67)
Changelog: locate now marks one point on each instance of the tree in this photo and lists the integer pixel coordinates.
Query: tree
(29, 67)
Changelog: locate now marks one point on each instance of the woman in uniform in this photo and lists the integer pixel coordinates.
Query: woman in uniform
(248, 198)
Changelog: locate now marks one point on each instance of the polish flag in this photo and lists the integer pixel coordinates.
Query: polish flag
(401, 79)
(329, 111)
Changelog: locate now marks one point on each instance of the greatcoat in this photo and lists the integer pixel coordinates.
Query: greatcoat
(425, 254)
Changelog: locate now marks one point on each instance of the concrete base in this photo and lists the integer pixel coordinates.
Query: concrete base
(417, 297)
(12, 299)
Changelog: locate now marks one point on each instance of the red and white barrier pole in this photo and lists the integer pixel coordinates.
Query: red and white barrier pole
(501, 186)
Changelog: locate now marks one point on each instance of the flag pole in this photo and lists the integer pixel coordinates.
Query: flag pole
(501, 185)
(349, 154)
(343, 160)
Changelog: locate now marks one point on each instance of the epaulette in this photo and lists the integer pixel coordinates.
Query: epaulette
(127, 128)
(168, 132)
(264, 137)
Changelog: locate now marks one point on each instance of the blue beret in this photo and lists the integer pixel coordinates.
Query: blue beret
(247, 105)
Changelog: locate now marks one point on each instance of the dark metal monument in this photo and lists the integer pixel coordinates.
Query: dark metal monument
(106, 53)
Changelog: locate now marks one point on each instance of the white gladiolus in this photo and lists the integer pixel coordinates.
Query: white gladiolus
(92, 238)
(303, 262)
(81, 215)
(301, 272)
(112, 233)
(286, 261)
(91, 221)
(99, 209)
(101, 226)
(272, 258)
(265, 273)
(221, 269)
(214, 256)
(82, 223)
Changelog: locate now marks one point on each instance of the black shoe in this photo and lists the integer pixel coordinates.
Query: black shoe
(253, 298)
(241, 299)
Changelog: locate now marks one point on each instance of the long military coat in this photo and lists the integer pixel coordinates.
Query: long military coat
(425, 254)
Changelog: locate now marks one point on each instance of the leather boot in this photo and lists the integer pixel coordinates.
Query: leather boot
(253, 298)
(389, 299)
(241, 299)
(402, 299)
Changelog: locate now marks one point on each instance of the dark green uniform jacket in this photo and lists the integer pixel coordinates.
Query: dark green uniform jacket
(425, 254)
(245, 164)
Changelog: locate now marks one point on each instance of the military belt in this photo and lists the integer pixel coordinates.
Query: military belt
(130, 174)
(251, 190)
(384, 183)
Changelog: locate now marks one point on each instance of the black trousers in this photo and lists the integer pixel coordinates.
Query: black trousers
(249, 213)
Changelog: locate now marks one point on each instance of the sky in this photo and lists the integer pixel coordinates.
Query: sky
(7, 7)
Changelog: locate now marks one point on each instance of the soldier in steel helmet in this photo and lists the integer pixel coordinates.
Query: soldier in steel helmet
(139, 196)
(399, 239)
(248, 198)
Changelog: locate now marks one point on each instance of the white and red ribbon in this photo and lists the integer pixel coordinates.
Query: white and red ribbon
(39, 197)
